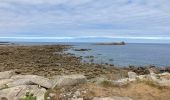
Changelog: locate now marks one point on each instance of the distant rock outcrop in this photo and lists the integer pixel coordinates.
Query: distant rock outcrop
(112, 43)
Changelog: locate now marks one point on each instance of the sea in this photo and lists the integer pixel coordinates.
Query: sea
(131, 54)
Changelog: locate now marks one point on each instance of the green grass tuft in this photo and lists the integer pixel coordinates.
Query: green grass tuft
(30, 96)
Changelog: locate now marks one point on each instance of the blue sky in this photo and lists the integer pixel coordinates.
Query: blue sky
(85, 20)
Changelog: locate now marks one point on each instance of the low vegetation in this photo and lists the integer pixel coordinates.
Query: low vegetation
(29, 96)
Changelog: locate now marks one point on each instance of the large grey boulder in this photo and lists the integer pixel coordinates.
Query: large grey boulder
(33, 79)
(7, 74)
(154, 77)
(68, 80)
(18, 92)
(132, 75)
(112, 98)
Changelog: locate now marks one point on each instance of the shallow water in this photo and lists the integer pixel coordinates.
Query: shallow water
(125, 55)
(138, 54)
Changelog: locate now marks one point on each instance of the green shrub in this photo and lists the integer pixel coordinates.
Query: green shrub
(29, 96)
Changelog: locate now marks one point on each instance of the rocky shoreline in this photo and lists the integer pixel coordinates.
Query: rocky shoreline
(48, 60)
(47, 73)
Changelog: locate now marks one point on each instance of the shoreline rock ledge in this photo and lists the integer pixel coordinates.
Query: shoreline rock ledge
(15, 87)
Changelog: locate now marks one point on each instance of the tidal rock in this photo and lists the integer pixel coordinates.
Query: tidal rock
(112, 98)
(18, 92)
(68, 80)
(39, 80)
(6, 74)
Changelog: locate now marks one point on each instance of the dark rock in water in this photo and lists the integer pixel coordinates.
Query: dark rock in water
(89, 57)
(147, 69)
(164, 69)
(82, 49)
(6, 43)
(139, 70)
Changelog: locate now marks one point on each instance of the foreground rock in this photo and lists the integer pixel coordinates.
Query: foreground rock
(112, 98)
(19, 82)
(15, 87)
(69, 80)
(31, 79)
(6, 74)
(18, 92)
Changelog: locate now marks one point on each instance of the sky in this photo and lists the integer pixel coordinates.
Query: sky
(85, 20)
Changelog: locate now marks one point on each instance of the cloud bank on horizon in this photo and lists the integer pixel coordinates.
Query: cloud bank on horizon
(72, 19)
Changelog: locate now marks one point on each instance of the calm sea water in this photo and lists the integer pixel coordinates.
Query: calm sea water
(125, 55)
(121, 55)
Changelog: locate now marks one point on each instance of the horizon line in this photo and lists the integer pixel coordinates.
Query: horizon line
(81, 37)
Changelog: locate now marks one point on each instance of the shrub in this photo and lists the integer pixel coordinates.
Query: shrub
(29, 96)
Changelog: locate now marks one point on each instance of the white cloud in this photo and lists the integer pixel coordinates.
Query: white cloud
(54, 17)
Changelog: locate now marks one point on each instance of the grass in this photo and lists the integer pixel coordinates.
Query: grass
(107, 83)
(153, 84)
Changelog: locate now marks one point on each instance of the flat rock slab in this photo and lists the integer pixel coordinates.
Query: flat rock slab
(7, 74)
(20, 82)
(18, 92)
(112, 98)
(33, 79)
(4, 82)
(69, 80)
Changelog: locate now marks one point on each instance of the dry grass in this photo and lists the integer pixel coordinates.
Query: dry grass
(137, 91)
(153, 84)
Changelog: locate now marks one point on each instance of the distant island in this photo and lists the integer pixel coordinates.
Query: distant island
(112, 43)
(5, 43)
